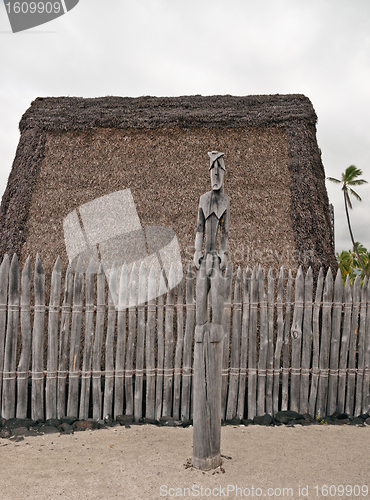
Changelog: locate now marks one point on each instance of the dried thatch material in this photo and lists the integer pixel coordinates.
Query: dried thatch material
(73, 150)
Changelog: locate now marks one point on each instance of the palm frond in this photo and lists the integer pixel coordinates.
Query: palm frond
(357, 196)
(351, 173)
(357, 182)
(332, 179)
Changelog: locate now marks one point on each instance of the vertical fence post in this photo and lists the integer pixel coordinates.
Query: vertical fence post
(361, 352)
(286, 347)
(9, 376)
(179, 344)
(322, 395)
(131, 342)
(350, 399)
(188, 343)
(244, 345)
(88, 343)
(98, 343)
(346, 330)
(4, 278)
(279, 340)
(52, 353)
(262, 360)
(232, 399)
(366, 383)
(168, 345)
(270, 344)
(160, 356)
(109, 342)
(149, 346)
(316, 343)
(63, 343)
(37, 409)
(74, 352)
(306, 342)
(335, 344)
(121, 342)
(226, 321)
(139, 371)
(296, 335)
(252, 355)
(24, 362)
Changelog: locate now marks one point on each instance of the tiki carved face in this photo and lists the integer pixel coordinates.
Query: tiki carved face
(217, 176)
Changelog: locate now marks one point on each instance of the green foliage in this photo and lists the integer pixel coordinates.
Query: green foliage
(348, 179)
(349, 264)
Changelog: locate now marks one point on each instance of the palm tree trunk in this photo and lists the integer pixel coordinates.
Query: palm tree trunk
(352, 238)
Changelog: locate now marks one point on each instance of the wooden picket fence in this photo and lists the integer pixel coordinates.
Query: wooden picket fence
(128, 348)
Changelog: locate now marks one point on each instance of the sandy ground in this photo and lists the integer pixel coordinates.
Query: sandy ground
(148, 462)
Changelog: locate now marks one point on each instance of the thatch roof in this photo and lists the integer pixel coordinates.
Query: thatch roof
(293, 115)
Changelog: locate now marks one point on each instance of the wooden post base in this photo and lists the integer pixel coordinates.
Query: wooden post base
(207, 396)
(207, 463)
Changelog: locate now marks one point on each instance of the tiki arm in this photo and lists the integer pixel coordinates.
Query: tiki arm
(224, 228)
(199, 238)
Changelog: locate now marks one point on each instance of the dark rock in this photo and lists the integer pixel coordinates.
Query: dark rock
(367, 421)
(336, 422)
(334, 416)
(302, 421)
(187, 423)
(263, 420)
(54, 422)
(110, 423)
(356, 421)
(13, 423)
(364, 416)
(85, 425)
(170, 422)
(287, 415)
(68, 420)
(5, 433)
(32, 432)
(247, 421)
(66, 428)
(2, 422)
(124, 419)
(47, 429)
(20, 431)
(343, 416)
(309, 417)
(344, 421)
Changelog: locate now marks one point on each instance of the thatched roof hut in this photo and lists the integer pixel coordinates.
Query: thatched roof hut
(74, 150)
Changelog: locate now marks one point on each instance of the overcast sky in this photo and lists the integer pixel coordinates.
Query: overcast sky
(320, 48)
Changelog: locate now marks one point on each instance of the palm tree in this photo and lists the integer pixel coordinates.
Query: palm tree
(345, 264)
(350, 178)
